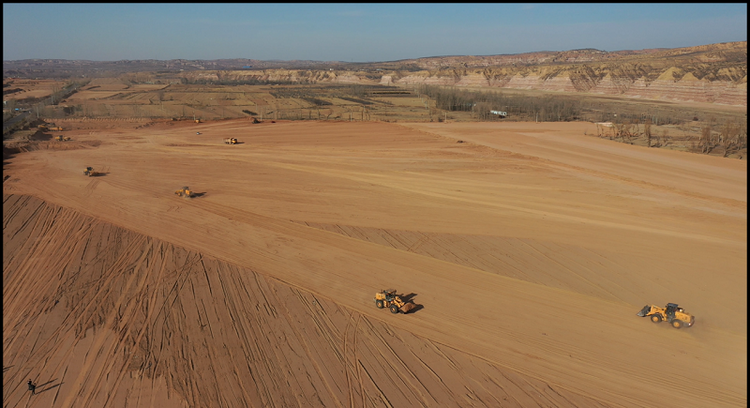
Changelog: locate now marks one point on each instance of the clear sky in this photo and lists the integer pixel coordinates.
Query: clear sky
(355, 32)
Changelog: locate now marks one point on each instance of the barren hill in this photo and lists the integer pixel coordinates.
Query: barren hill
(715, 73)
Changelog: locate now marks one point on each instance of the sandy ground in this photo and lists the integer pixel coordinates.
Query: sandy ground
(529, 248)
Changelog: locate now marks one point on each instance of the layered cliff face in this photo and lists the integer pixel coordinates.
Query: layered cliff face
(728, 86)
(283, 75)
(714, 73)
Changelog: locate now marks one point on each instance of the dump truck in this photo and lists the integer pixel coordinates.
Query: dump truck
(388, 298)
(185, 192)
(89, 171)
(672, 313)
(230, 140)
(57, 128)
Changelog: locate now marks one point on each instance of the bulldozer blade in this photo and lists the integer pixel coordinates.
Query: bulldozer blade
(407, 307)
(643, 311)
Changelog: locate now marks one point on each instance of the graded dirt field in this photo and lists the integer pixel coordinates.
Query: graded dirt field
(528, 248)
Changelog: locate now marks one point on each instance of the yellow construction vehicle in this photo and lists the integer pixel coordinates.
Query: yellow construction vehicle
(43, 127)
(675, 315)
(388, 298)
(61, 138)
(185, 192)
(57, 128)
(230, 140)
(90, 172)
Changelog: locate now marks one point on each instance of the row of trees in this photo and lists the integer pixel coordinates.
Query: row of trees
(523, 107)
(725, 139)
(58, 94)
(729, 139)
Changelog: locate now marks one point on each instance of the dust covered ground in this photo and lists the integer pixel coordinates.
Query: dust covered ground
(529, 248)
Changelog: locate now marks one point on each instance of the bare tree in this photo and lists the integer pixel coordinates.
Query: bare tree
(664, 139)
(733, 137)
(706, 142)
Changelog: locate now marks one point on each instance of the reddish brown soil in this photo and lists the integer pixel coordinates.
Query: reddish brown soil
(529, 247)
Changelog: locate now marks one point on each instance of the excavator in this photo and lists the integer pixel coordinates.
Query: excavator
(674, 314)
(388, 298)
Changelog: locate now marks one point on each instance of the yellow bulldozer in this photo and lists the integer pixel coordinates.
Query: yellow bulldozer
(185, 192)
(89, 171)
(388, 298)
(675, 315)
(230, 140)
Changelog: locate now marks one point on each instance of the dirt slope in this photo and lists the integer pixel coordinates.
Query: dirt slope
(530, 248)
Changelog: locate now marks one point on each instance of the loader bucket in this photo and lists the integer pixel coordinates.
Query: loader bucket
(407, 307)
(644, 311)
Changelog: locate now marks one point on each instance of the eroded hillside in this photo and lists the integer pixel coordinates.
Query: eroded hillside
(714, 73)
(126, 320)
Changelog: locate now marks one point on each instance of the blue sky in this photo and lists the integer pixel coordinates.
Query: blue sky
(355, 32)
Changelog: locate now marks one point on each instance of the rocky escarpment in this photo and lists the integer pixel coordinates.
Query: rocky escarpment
(714, 73)
(727, 86)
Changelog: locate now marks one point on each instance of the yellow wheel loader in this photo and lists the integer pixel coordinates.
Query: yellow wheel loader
(90, 172)
(185, 192)
(672, 313)
(388, 298)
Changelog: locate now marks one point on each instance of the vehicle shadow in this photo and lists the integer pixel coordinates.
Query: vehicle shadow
(410, 298)
(416, 308)
(195, 195)
(100, 174)
(48, 388)
(48, 382)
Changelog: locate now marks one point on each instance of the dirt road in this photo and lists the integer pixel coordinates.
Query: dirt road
(530, 247)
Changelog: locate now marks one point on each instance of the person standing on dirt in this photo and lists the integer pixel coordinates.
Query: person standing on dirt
(32, 388)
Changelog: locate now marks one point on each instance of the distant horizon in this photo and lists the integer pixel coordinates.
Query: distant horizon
(369, 62)
(355, 32)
